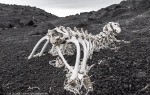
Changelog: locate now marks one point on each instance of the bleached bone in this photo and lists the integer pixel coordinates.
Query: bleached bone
(75, 72)
(37, 45)
(63, 59)
(57, 63)
(44, 47)
(85, 57)
(74, 82)
(66, 41)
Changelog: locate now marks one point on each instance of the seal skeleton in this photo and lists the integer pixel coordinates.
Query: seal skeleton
(66, 41)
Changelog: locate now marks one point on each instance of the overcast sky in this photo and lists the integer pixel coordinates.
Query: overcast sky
(64, 8)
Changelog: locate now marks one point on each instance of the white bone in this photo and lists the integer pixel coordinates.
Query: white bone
(83, 63)
(87, 45)
(37, 45)
(76, 68)
(63, 59)
(45, 45)
(66, 40)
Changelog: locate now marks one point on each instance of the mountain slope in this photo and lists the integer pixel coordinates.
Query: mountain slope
(17, 15)
(122, 13)
(126, 72)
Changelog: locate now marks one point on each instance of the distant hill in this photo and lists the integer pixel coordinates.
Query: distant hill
(128, 13)
(125, 72)
(17, 15)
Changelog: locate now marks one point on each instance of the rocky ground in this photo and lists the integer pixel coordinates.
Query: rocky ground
(126, 72)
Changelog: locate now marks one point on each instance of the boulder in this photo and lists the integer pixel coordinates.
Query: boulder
(42, 28)
(31, 23)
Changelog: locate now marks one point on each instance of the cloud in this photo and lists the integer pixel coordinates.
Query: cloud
(77, 4)
(65, 6)
(70, 7)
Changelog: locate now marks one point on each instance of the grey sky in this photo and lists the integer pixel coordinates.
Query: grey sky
(65, 7)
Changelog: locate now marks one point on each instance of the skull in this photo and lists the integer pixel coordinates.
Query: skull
(116, 27)
(112, 27)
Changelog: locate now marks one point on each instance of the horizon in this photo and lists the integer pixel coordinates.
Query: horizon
(63, 8)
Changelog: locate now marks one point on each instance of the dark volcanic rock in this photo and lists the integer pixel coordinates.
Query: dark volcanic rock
(19, 16)
(125, 72)
(42, 28)
(139, 5)
(31, 23)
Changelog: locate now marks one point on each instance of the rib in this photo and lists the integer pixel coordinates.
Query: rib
(63, 59)
(45, 45)
(83, 63)
(76, 68)
(36, 46)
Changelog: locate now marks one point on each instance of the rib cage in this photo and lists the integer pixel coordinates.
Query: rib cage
(66, 41)
(99, 41)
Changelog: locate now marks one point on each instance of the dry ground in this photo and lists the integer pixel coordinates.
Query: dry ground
(125, 72)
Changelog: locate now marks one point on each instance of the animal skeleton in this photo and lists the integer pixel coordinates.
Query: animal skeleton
(66, 41)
